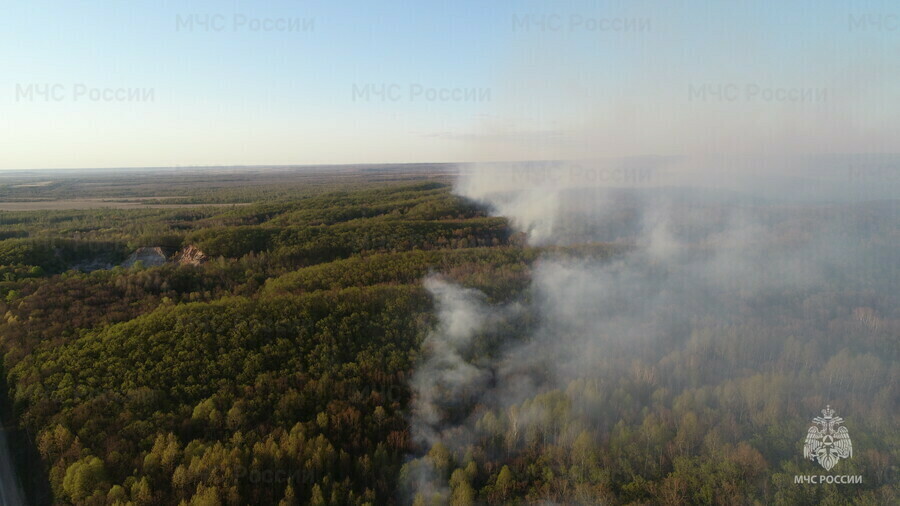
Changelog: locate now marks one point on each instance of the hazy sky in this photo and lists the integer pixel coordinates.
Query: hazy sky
(190, 82)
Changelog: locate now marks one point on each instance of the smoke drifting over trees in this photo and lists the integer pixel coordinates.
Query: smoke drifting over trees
(684, 368)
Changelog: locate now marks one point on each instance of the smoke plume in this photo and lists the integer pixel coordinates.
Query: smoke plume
(718, 273)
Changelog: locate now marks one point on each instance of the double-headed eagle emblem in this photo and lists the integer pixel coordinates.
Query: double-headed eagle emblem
(826, 441)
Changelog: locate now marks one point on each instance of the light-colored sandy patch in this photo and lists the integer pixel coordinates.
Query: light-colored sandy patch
(33, 185)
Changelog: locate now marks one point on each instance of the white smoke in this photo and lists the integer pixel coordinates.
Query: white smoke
(688, 246)
(450, 378)
(445, 377)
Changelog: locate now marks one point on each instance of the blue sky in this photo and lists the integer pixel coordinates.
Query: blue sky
(461, 80)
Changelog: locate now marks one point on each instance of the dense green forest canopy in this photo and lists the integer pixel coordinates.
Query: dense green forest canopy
(274, 371)
(277, 370)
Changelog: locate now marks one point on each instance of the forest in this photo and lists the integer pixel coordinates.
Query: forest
(283, 368)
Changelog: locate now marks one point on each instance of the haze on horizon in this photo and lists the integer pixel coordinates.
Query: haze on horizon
(87, 84)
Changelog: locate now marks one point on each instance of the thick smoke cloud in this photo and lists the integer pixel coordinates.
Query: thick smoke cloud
(708, 265)
(445, 379)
